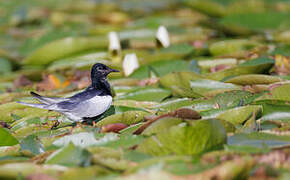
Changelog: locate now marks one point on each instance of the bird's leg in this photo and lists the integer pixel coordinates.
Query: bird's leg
(94, 123)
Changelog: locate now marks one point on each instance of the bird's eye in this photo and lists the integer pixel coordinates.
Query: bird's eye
(99, 68)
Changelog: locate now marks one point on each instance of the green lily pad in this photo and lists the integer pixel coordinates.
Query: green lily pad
(62, 48)
(161, 68)
(32, 144)
(128, 117)
(82, 61)
(174, 104)
(255, 66)
(206, 87)
(251, 79)
(12, 170)
(276, 111)
(236, 47)
(240, 115)
(6, 139)
(179, 83)
(5, 66)
(71, 156)
(189, 137)
(146, 94)
(257, 21)
(259, 140)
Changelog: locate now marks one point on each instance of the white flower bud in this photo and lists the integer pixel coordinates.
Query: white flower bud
(162, 36)
(130, 64)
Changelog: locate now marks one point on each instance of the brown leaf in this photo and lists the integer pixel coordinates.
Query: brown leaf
(22, 81)
(116, 127)
(51, 82)
(183, 113)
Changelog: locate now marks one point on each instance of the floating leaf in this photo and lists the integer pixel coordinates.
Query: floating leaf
(256, 66)
(174, 104)
(206, 87)
(240, 115)
(236, 47)
(161, 68)
(250, 79)
(12, 170)
(70, 155)
(62, 48)
(257, 21)
(6, 139)
(190, 137)
(146, 94)
(79, 62)
(262, 140)
(83, 139)
(5, 66)
(128, 117)
(32, 144)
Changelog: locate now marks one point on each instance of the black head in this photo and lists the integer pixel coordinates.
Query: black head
(101, 71)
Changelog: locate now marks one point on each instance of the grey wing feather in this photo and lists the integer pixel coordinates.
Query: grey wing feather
(47, 100)
(52, 107)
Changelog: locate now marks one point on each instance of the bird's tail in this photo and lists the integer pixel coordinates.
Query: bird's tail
(39, 98)
(41, 106)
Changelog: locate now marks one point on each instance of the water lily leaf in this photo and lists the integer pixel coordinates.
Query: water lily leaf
(236, 47)
(136, 156)
(146, 94)
(161, 67)
(161, 125)
(31, 44)
(173, 104)
(190, 137)
(246, 149)
(240, 115)
(256, 66)
(26, 121)
(179, 83)
(126, 105)
(250, 79)
(5, 66)
(225, 100)
(6, 139)
(32, 144)
(62, 48)
(124, 141)
(128, 117)
(12, 170)
(262, 140)
(70, 155)
(206, 87)
(209, 7)
(131, 129)
(207, 64)
(275, 111)
(151, 162)
(88, 173)
(280, 92)
(78, 62)
(83, 139)
(257, 21)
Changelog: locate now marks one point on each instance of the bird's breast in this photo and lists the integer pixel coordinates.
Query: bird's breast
(97, 105)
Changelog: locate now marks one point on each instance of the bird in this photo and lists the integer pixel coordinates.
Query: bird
(90, 103)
